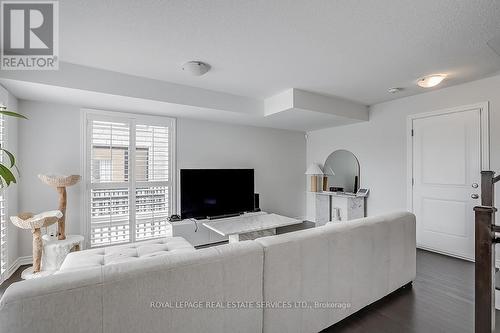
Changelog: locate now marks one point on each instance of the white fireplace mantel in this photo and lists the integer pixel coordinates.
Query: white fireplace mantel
(323, 205)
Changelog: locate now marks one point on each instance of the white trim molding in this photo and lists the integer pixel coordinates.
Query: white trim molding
(485, 145)
(20, 261)
(88, 116)
(485, 141)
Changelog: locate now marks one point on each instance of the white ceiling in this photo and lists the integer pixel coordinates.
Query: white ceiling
(321, 111)
(348, 48)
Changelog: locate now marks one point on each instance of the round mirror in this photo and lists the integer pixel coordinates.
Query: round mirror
(341, 169)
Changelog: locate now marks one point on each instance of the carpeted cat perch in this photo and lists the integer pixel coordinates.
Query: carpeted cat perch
(60, 182)
(34, 223)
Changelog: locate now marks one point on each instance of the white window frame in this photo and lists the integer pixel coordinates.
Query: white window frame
(4, 194)
(86, 155)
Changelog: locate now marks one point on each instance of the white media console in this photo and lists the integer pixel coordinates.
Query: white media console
(250, 226)
(197, 234)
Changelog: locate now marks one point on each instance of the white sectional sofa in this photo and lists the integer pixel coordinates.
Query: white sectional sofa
(303, 281)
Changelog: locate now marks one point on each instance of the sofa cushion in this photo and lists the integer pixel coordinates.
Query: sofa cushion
(124, 253)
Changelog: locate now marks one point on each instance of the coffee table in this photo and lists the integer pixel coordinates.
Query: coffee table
(233, 227)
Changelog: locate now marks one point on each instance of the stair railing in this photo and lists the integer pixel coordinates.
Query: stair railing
(485, 240)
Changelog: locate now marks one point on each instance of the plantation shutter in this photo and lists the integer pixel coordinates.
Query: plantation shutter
(130, 187)
(109, 193)
(152, 178)
(3, 238)
(3, 211)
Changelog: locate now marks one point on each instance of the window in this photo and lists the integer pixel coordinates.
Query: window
(129, 177)
(3, 218)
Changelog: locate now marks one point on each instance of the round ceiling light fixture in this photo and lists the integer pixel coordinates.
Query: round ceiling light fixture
(431, 80)
(196, 68)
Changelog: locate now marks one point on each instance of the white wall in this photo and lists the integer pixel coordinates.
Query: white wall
(50, 142)
(380, 143)
(278, 157)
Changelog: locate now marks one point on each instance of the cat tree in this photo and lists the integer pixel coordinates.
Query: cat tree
(35, 223)
(49, 252)
(60, 183)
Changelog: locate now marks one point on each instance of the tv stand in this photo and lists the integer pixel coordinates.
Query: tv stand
(215, 217)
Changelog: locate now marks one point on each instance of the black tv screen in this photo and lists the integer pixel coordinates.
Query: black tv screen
(214, 192)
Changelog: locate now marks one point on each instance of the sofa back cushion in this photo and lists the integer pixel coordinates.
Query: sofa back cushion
(172, 297)
(124, 253)
(327, 273)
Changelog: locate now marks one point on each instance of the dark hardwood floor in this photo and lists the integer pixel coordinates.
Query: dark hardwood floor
(13, 278)
(441, 300)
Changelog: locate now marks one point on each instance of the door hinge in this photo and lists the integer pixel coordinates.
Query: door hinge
(412, 132)
(413, 182)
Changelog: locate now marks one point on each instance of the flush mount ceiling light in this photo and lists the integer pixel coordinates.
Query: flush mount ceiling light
(431, 80)
(196, 68)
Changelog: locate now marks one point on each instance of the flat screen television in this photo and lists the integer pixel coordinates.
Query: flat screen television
(215, 192)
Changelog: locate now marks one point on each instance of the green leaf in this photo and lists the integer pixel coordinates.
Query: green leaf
(11, 157)
(12, 114)
(7, 175)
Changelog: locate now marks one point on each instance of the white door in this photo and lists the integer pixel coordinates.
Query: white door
(446, 180)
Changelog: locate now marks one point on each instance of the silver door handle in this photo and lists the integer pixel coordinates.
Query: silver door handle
(475, 185)
(474, 196)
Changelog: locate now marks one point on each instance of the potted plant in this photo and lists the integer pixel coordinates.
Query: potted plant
(6, 175)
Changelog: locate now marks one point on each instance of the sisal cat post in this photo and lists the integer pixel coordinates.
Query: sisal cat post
(60, 183)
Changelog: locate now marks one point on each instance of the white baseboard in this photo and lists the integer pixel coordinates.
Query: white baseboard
(497, 259)
(423, 247)
(27, 260)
